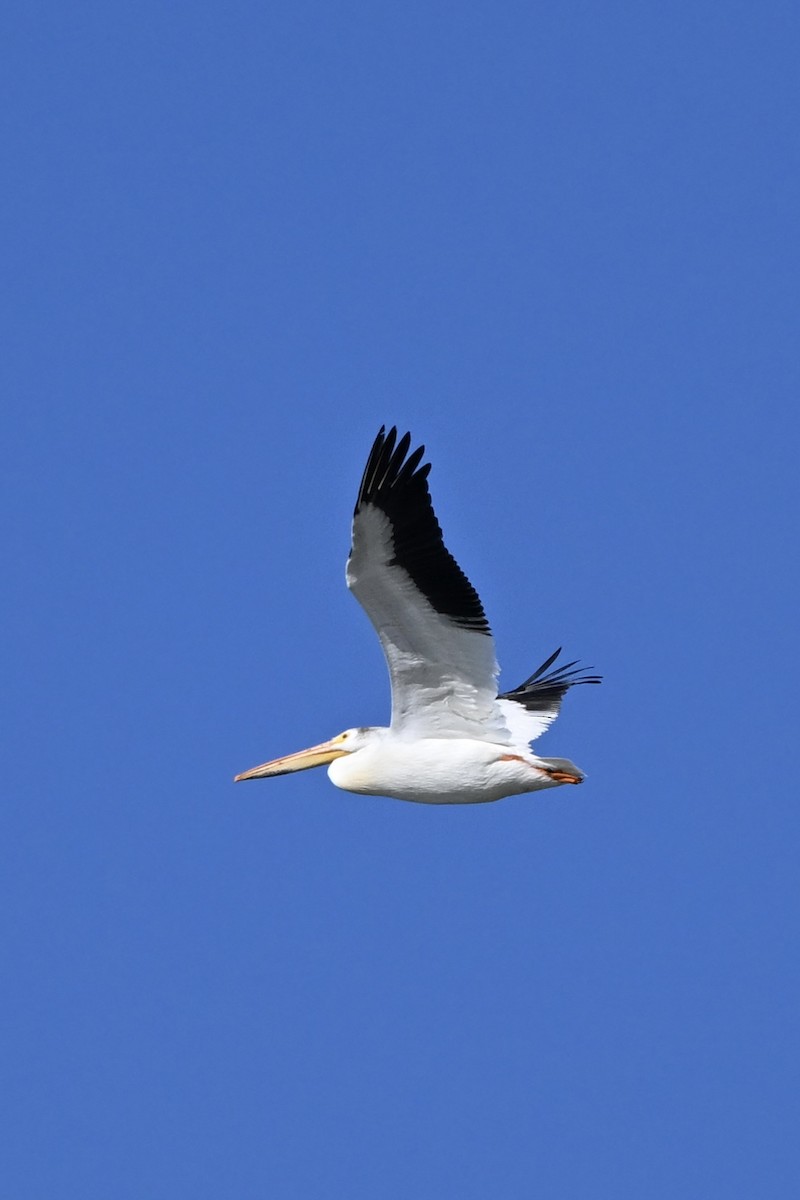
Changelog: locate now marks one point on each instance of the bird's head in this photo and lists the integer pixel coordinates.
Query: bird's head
(315, 756)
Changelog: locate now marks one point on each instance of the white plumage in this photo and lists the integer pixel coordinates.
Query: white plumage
(452, 738)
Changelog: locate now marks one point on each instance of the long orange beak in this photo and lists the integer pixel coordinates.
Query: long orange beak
(303, 760)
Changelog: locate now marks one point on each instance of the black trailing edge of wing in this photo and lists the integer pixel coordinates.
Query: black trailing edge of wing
(395, 483)
(545, 689)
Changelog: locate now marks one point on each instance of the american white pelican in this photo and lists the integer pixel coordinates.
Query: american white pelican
(453, 739)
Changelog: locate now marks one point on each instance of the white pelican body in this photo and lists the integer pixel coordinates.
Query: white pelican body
(453, 739)
(438, 770)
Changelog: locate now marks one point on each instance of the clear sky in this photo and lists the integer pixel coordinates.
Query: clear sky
(560, 244)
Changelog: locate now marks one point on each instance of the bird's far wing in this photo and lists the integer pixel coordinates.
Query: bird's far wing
(429, 618)
(533, 706)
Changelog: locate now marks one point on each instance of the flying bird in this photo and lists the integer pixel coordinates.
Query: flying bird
(452, 739)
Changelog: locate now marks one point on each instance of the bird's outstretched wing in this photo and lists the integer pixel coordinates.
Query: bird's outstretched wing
(532, 707)
(428, 616)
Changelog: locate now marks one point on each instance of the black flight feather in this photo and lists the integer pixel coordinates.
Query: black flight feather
(543, 692)
(397, 485)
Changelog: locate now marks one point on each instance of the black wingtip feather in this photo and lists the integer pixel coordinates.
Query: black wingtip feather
(542, 691)
(396, 483)
(544, 667)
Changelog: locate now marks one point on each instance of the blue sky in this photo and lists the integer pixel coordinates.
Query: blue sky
(560, 245)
